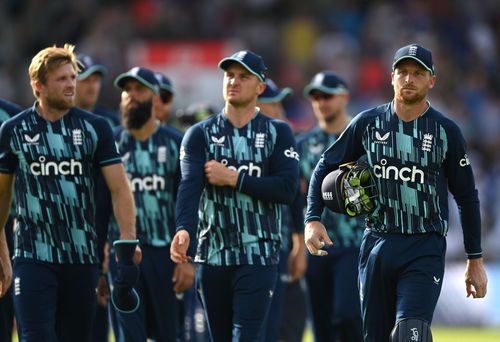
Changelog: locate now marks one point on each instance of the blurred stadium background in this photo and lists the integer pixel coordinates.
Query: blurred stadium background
(356, 38)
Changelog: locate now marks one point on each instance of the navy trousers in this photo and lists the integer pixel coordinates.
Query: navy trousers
(400, 277)
(54, 302)
(332, 282)
(236, 300)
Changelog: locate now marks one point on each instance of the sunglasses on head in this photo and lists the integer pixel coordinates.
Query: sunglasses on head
(321, 96)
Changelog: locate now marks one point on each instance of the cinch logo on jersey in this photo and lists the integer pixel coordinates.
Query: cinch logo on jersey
(149, 183)
(253, 170)
(464, 161)
(393, 172)
(43, 168)
(291, 153)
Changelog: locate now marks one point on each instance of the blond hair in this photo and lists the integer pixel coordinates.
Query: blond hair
(50, 59)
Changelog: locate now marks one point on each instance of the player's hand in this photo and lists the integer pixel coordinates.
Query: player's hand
(102, 291)
(5, 275)
(219, 175)
(183, 277)
(179, 247)
(297, 260)
(476, 281)
(316, 238)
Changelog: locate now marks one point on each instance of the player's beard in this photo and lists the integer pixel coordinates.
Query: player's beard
(60, 103)
(136, 117)
(409, 99)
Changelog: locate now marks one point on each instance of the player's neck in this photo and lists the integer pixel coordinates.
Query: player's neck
(49, 113)
(240, 116)
(410, 112)
(147, 130)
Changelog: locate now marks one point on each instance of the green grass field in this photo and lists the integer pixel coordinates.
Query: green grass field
(440, 334)
(452, 334)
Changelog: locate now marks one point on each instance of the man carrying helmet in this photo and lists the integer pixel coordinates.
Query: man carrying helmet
(414, 153)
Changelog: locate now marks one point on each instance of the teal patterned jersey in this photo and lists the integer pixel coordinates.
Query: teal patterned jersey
(154, 173)
(55, 164)
(241, 225)
(414, 164)
(342, 229)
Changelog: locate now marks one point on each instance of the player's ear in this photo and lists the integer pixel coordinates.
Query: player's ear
(261, 88)
(432, 81)
(392, 78)
(37, 85)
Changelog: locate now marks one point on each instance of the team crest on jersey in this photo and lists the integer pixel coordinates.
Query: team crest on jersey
(77, 137)
(381, 138)
(427, 142)
(260, 138)
(32, 140)
(162, 154)
(218, 141)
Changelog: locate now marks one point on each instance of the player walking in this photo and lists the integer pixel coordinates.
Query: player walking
(415, 154)
(242, 165)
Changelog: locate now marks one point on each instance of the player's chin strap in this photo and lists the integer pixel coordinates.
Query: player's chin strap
(411, 330)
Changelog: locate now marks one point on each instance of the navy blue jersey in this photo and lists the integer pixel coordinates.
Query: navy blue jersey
(154, 173)
(55, 164)
(414, 164)
(242, 225)
(342, 229)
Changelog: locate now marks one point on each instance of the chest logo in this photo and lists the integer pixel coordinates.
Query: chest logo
(32, 140)
(427, 142)
(77, 137)
(381, 139)
(218, 141)
(260, 139)
(162, 154)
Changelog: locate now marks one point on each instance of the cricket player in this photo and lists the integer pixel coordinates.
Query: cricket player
(150, 153)
(332, 281)
(52, 151)
(237, 168)
(415, 154)
(7, 110)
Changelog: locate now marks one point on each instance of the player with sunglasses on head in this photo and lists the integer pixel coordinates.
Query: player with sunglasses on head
(332, 281)
(415, 155)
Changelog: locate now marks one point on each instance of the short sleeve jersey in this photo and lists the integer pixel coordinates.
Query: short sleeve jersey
(344, 230)
(55, 164)
(242, 225)
(153, 170)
